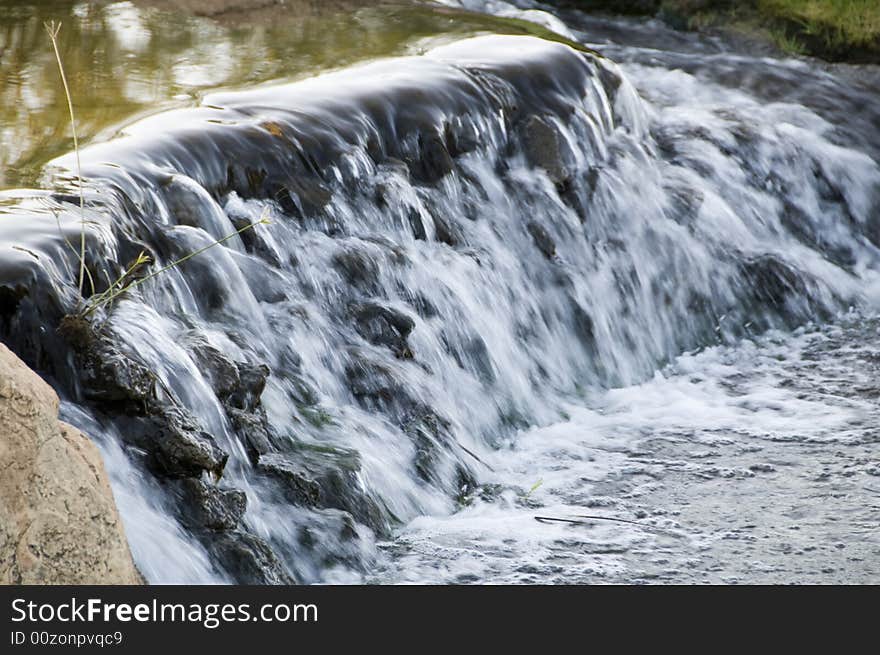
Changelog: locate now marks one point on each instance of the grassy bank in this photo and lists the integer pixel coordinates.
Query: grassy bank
(837, 30)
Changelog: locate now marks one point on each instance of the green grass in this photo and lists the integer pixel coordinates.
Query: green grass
(831, 29)
(788, 43)
(839, 24)
(847, 30)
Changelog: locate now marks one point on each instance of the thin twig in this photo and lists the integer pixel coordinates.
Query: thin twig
(577, 521)
(474, 455)
(583, 519)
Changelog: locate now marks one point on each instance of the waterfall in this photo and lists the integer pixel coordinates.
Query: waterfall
(448, 249)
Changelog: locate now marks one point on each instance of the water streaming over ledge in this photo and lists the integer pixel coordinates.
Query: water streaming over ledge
(461, 245)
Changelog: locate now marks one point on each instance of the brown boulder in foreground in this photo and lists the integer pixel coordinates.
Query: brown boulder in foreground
(58, 519)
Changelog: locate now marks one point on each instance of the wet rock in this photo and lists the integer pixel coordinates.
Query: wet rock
(423, 305)
(574, 197)
(772, 281)
(434, 442)
(248, 559)
(610, 80)
(300, 484)
(329, 538)
(376, 387)
(397, 166)
(447, 230)
(219, 371)
(109, 375)
(382, 325)
(190, 204)
(427, 431)
(684, 204)
(239, 385)
(416, 224)
(183, 449)
(462, 137)
(324, 477)
(434, 161)
(177, 446)
(254, 430)
(466, 485)
(304, 197)
(578, 196)
(207, 276)
(471, 354)
(385, 196)
(358, 267)
(10, 297)
(543, 147)
(252, 381)
(583, 326)
(542, 239)
(254, 242)
(206, 505)
(800, 225)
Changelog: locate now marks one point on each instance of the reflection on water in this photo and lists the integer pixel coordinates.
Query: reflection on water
(125, 58)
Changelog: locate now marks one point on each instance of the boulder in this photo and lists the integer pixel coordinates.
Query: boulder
(58, 519)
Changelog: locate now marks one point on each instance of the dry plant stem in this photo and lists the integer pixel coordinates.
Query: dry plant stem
(53, 29)
(111, 294)
(578, 521)
(72, 249)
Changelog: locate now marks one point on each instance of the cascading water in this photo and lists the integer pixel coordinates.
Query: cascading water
(456, 247)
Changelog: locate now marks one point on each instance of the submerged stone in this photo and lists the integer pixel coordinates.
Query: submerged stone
(357, 266)
(543, 146)
(434, 161)
(384, 326)
(542, 239)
